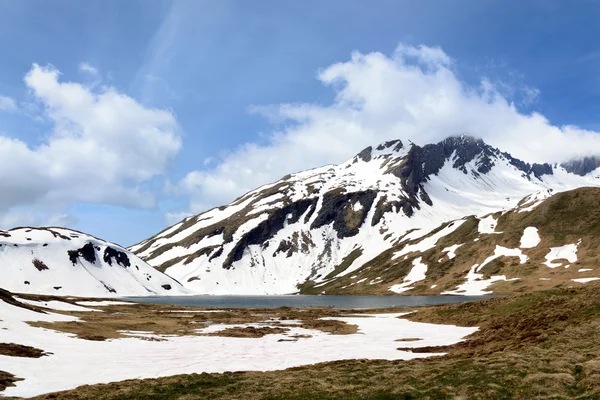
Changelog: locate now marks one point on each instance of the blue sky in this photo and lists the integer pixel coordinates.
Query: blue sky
(218, 73)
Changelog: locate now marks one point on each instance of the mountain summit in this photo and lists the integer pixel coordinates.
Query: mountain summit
(318, 226)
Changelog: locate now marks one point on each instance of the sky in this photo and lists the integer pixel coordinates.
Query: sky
(119, 118)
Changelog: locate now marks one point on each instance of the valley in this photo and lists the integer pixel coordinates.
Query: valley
(453, 220)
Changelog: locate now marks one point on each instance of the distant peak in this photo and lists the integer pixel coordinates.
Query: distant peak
(582, 166)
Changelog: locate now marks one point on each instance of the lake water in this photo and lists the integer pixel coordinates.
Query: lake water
(343, 302)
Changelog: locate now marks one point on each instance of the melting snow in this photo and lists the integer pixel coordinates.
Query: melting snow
(417, 273)
(430, 241)
(530, 238)
(475, 284)
(500, 251)
(451, 250)
(568, 252)
(585, 280)
(585, 270)
(487, 225)
(75, 361)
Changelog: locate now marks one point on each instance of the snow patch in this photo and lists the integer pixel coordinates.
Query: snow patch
(585, 280)
(451, 250)
(567, 252)
(530, 238)
(416, 274)
(430, 241)
(488, 225)
(475, 284)
(500, 251)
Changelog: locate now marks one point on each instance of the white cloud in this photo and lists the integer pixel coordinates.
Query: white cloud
(8, 104)
(104, 148)
(414, 93)
(88, 68)
(23, 217)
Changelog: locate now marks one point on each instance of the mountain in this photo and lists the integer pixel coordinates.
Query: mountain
(539, 244)
(314, 228)
(60, 261)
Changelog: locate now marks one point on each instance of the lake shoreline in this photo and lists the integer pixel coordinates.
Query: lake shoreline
(302, 301)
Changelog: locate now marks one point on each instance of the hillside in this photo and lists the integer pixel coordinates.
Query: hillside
(540, 244)
(63, 262)
(327, 222)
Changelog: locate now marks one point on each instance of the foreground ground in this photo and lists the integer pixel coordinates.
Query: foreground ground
(57, 343)
(539, 345)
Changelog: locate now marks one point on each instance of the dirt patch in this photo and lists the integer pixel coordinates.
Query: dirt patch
(39, 265)
(7, 380)
(334, 327)
(248, 331)
(18, 350)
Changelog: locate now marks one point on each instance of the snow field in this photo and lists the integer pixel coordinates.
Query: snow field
(75, 362)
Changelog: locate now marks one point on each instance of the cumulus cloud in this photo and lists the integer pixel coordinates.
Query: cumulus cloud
(7, 104)
(413, 93)
(104, 147)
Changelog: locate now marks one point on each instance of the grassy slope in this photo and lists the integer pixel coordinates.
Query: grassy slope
(562, 219)
(543, 345)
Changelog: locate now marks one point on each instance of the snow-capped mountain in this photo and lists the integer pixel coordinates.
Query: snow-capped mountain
(322, 224)
(60, 261)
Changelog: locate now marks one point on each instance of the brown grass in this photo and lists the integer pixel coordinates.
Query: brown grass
(248, 331)
(163, 319)
(7, 380)
(18, 350)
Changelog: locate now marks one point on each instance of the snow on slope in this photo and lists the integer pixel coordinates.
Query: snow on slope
(327, 222)
(60, 261)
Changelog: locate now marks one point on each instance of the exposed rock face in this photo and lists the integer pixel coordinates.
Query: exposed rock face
(120, 257)
(87, 252)
(267, 229)
(307, 224)
(337, 207)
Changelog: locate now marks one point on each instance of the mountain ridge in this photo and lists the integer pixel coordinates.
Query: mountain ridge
(303, 227)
